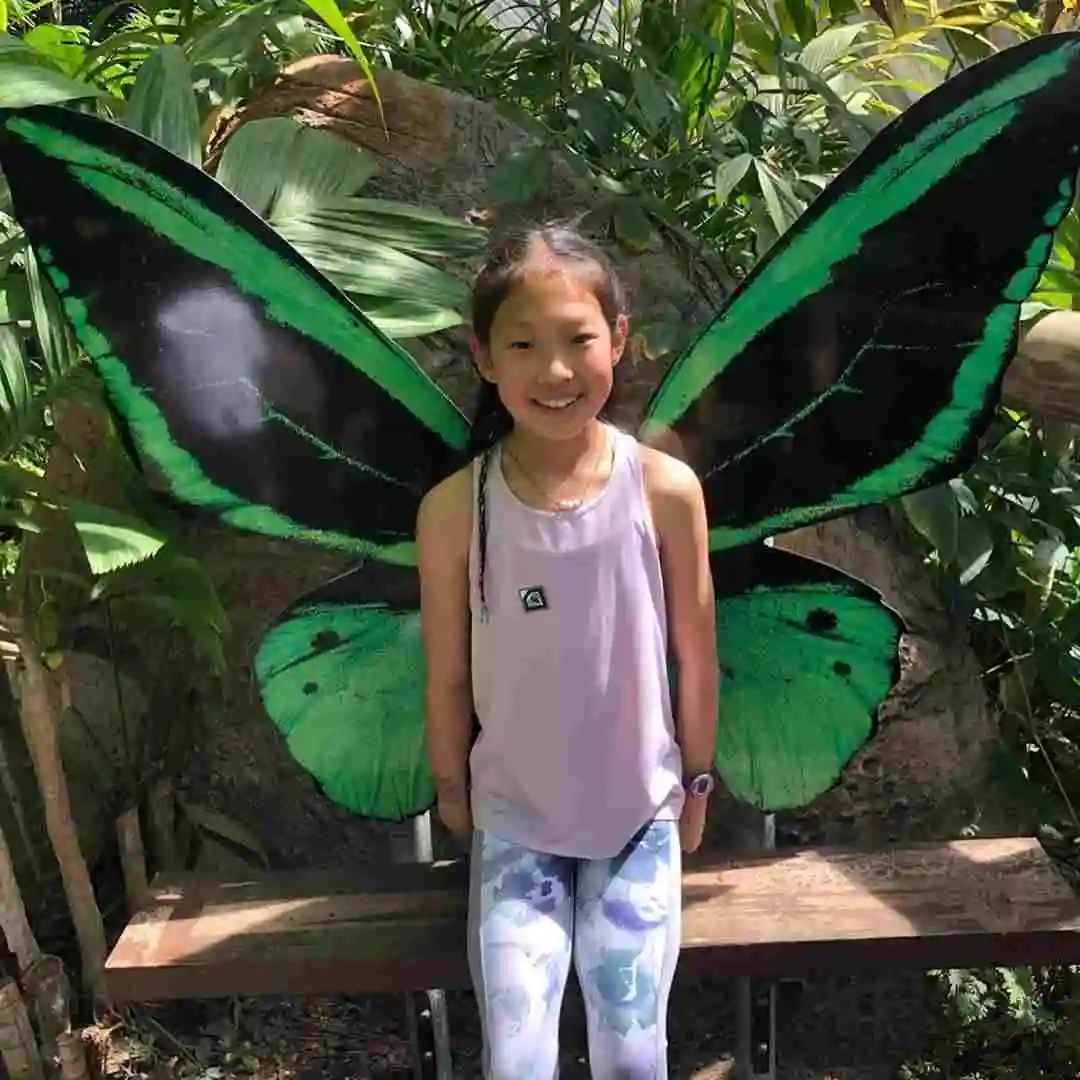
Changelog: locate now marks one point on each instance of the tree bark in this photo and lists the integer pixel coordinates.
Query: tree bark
(38, 713)
(18, 1047)
(16, 927)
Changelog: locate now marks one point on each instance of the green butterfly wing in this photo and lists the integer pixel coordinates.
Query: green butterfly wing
(263, 396)
(860, 360)
(807, 654)
(256, 388)
(864, 355)
(341, 674)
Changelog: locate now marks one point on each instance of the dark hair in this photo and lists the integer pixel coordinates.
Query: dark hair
(505, 268)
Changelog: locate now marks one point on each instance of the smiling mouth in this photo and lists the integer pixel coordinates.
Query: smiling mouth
(558, 404)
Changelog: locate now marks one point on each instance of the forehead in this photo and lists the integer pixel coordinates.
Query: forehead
(547, 293)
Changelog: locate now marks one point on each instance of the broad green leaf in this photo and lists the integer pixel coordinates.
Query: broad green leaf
(53, 330)
(704, 55)
(23, 85)
(802, 17)
(63, 46)
(16, 519)
(730, 174)
(830, 46)
(412, 229)
(112, 539)
(1050, 555)
(974, 547)
(964, 495)
(936, 514)
(361, 265)
(404, 318)
(15, 392)
(652, 101)
(780, 201)
(281, 168)
(162, 104)
(1069, 626)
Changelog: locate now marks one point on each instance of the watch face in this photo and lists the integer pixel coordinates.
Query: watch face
(700, 785)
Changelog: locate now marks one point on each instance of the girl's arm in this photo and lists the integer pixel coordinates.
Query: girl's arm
(443, 536)
(678, 508)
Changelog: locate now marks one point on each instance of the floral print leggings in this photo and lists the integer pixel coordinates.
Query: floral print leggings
(619, 918)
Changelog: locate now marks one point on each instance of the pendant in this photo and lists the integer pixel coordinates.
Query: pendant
(567, 504)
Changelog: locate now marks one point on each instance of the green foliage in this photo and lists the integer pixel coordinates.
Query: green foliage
(1004, 1024)
(306, 183)
(1004, 541)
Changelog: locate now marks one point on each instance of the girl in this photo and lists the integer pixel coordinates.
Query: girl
(552, 569)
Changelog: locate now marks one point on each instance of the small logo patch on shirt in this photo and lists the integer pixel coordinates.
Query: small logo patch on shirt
(533, 598)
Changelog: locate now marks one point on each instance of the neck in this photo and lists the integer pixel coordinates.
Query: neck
(556, 457)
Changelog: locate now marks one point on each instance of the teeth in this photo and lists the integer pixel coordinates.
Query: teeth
(561, 403)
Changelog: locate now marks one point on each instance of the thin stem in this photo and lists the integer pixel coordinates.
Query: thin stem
(1029, 721)
(131, 767)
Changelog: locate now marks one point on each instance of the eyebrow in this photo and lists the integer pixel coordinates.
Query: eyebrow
(574, 320)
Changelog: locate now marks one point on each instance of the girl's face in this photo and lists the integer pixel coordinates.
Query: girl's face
(552, 353)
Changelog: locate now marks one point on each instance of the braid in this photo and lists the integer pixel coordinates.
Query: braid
(482, 524)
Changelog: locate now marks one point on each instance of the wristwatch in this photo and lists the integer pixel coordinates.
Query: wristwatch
(700, 786)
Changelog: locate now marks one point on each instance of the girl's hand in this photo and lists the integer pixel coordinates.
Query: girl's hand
(692, 823)
(455, 814)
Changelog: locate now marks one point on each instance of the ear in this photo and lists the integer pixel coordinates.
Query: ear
(619, 336)
(481, 358)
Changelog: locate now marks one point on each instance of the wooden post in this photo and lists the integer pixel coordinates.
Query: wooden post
(132, 860)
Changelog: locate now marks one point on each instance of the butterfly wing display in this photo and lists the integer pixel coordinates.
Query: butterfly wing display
(861, 360)
(262, 396)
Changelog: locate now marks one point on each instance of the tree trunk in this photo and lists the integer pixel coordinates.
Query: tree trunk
(17, 1045)
(20, 938)
(39, 714)
(1044, 377)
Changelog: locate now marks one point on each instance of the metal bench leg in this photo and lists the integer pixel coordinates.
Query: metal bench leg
(756, 1005)
(756, 1052)
(425, 1010)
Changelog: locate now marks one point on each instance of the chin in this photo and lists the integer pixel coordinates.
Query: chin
(557, 426)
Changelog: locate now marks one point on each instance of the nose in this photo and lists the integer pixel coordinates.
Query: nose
(555, 369)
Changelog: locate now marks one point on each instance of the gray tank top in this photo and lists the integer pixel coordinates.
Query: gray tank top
(577, 745)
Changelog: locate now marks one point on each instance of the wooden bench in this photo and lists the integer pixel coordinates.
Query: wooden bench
(967, 903)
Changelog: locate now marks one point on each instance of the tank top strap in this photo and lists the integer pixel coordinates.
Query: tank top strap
(628, 461)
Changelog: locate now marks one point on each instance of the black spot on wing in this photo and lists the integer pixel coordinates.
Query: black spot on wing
(325, 640)
(822, 621)
(842, 669)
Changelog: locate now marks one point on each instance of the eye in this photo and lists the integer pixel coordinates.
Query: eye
(520, 344)
(585, 338)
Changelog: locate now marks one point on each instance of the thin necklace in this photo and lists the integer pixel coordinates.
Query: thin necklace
(562, 505)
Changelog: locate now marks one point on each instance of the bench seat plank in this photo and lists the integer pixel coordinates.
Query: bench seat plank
(965, 903)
